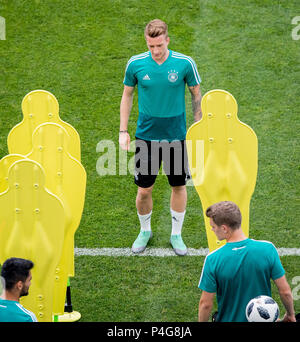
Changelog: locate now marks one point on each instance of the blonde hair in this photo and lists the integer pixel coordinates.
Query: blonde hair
(155, 28)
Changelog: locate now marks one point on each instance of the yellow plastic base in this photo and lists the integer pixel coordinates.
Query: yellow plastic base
(73, 316)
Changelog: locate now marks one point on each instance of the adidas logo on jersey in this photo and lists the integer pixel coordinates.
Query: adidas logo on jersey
(146, 77)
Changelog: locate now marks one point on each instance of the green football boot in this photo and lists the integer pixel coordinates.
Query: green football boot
(178, 245)
(141, 241)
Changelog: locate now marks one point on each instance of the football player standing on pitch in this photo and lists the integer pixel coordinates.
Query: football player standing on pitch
(161, 76)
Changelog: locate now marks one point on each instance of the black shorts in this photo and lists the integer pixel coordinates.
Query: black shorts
(148, 158)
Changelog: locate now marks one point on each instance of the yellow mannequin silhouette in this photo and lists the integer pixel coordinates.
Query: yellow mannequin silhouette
(228, 158)
(32, 222)
(66, 178)
(39, 106)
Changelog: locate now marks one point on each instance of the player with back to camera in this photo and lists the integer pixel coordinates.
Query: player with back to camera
(240, 270)
(160, 75)
(17, 280)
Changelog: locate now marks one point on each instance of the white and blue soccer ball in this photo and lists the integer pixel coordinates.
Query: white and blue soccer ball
(262, 309)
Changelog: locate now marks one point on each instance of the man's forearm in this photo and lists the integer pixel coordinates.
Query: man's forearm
(196, 106)
(285, 295)
(204, 312)
(196, 102)
(287, 300)
(125, 109)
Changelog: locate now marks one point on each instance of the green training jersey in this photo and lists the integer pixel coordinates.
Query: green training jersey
(161, 94)
(13, 311)
(238, 272)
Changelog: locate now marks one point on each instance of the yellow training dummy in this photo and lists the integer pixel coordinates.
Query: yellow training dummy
(223, 154)
(32, 223)
(66, 178)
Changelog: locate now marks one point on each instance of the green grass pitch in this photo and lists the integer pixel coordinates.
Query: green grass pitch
(78, 51)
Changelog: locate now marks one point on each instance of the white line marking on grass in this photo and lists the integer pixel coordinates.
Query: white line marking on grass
(161, 252)
(157, 252)
(288, 251)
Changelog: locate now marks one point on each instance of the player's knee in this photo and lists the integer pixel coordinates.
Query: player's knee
(144, 193)
(179, 189)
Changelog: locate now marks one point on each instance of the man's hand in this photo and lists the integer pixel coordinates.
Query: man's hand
(124, 140)
(288, 318)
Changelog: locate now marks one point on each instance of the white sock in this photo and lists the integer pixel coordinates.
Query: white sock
(145, 221)
(177, 221)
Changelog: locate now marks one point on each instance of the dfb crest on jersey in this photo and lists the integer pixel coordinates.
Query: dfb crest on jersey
(172, 76)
